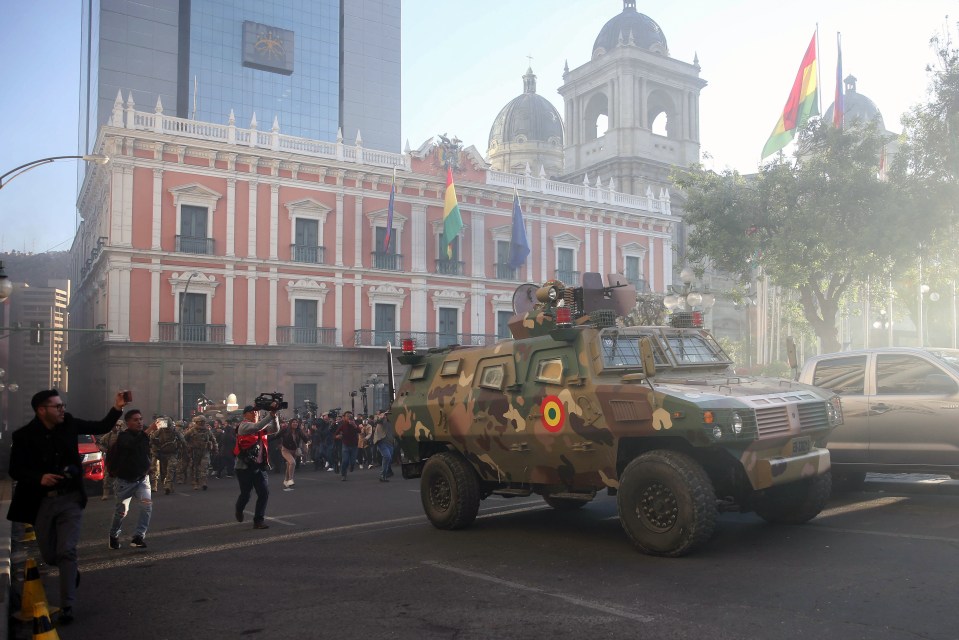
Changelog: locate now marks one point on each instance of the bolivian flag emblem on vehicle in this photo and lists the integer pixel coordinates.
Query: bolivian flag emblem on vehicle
(554, 413)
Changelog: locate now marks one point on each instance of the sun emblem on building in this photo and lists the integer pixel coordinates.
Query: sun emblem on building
(269, 45)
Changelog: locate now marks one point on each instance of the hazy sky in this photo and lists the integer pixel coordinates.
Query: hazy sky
(463, 61)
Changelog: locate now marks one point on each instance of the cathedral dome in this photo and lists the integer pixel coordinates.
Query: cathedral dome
(529, 117)
(856, 107)
(630, 28)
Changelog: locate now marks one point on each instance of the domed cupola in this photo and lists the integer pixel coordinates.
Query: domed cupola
(857, 108)
(630, 28)
(528, 130)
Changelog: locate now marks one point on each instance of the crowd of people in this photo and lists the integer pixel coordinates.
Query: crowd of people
(49, 491)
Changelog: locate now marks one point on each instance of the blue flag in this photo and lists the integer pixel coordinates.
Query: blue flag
(518, 246)
(389, 216)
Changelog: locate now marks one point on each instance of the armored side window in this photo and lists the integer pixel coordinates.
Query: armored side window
(450, 368)
(493, 377)
(550, 371)
(418, 371)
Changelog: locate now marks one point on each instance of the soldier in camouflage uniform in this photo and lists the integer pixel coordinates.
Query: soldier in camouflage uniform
(105, 442)
(166, 444)
(184, 454)
(201, 443)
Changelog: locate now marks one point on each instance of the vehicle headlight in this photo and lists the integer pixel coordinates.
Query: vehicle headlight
(91, 457)
(737, 423)
(717, 431)
(834, 411)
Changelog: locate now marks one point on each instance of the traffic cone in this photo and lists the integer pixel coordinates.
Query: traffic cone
(29, 535)
(42, 627)
(33, 593)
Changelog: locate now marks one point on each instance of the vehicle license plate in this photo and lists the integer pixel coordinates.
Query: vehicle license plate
(801, 445)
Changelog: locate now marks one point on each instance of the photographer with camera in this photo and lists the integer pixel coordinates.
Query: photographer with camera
(45, 462)
(252, 456)
(129, 462)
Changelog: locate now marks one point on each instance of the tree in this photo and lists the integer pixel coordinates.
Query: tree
(816, 225)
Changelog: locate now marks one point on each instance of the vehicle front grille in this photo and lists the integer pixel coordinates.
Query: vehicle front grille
(772, 421)
(813, 415)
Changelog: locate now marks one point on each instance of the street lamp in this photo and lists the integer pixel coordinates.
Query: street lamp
(180, 335)
(686, 298)
(6, 286)
(95, 158)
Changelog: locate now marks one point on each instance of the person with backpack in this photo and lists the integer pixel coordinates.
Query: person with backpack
(252, 461)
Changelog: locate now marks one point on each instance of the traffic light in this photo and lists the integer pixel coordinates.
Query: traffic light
(36, 332)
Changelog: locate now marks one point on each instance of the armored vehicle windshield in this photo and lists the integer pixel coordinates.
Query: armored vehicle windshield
(672, 349)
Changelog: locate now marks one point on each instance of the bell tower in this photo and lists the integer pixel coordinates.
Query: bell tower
(632, 111)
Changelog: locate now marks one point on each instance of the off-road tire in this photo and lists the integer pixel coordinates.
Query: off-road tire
(796, 502)
(565, 504)
(667, 504)
(449, 490)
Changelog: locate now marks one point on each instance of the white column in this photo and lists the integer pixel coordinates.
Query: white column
(251, 305)
(588, 242)
(358, 227)
(251, 242)
(545, 253)
(274, 223)
(274, 281)
(667, 261)
(477, 241)
(339, 230)
(116, 205)
(418, 305)
(124, 326)
(478, 307)
(613, 257)
(338, 307)
(419, 243)
(228, 318)
(113, 302)
(155, 300)
(230, 218)
(601, 253)
(157, 209)
(357, 302)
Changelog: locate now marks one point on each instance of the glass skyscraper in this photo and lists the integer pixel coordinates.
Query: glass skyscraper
(314, 65)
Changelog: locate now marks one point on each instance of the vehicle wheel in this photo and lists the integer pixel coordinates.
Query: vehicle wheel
(795, 503)
(449, 489)
(565, 504)
(667, 504)
(849, 481)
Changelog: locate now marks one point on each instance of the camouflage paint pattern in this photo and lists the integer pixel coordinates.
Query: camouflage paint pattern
(487, 403)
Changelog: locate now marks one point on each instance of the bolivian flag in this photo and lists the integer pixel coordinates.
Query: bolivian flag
(452, 221)
(803, 102)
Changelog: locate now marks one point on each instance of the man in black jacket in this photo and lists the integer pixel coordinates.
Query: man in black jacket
(45, 462)
(130, 463)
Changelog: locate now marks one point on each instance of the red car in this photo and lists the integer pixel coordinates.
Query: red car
(91, 457)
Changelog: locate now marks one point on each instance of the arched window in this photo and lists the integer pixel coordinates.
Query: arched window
(597, 116)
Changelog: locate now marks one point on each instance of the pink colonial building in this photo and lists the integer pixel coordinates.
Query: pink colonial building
(257, 259)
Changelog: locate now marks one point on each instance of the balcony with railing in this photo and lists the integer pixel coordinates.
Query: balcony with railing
(387, 261)
(191, 244)
(449, 267)
(423, 339)
(569, 278)
(322, 336)
(308, 254)
(505, 272)
(193, 333)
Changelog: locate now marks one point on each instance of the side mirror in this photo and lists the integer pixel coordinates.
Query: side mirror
(646, 355)
(791, 356)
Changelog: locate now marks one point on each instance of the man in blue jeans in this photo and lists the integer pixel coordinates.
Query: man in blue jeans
(252, 462)
(129, 461)
(348, 433)
(383, 440)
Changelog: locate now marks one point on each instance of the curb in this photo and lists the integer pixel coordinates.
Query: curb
(912, 483)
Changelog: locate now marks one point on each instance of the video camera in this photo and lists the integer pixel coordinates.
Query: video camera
(264, 402)
(334, 413)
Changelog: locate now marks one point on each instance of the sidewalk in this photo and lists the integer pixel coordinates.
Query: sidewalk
(912, 483)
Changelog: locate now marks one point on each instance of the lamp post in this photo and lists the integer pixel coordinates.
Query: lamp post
(12, 387)
(6, 286)
(686, 298)
(180, 336)
(5, 179)
(353, 402)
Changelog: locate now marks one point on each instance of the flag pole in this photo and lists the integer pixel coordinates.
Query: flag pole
(818, 83)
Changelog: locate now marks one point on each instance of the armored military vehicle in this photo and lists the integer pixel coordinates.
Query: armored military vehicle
(576, 403)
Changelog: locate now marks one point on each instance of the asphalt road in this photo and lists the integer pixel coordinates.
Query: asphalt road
(359, 560)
